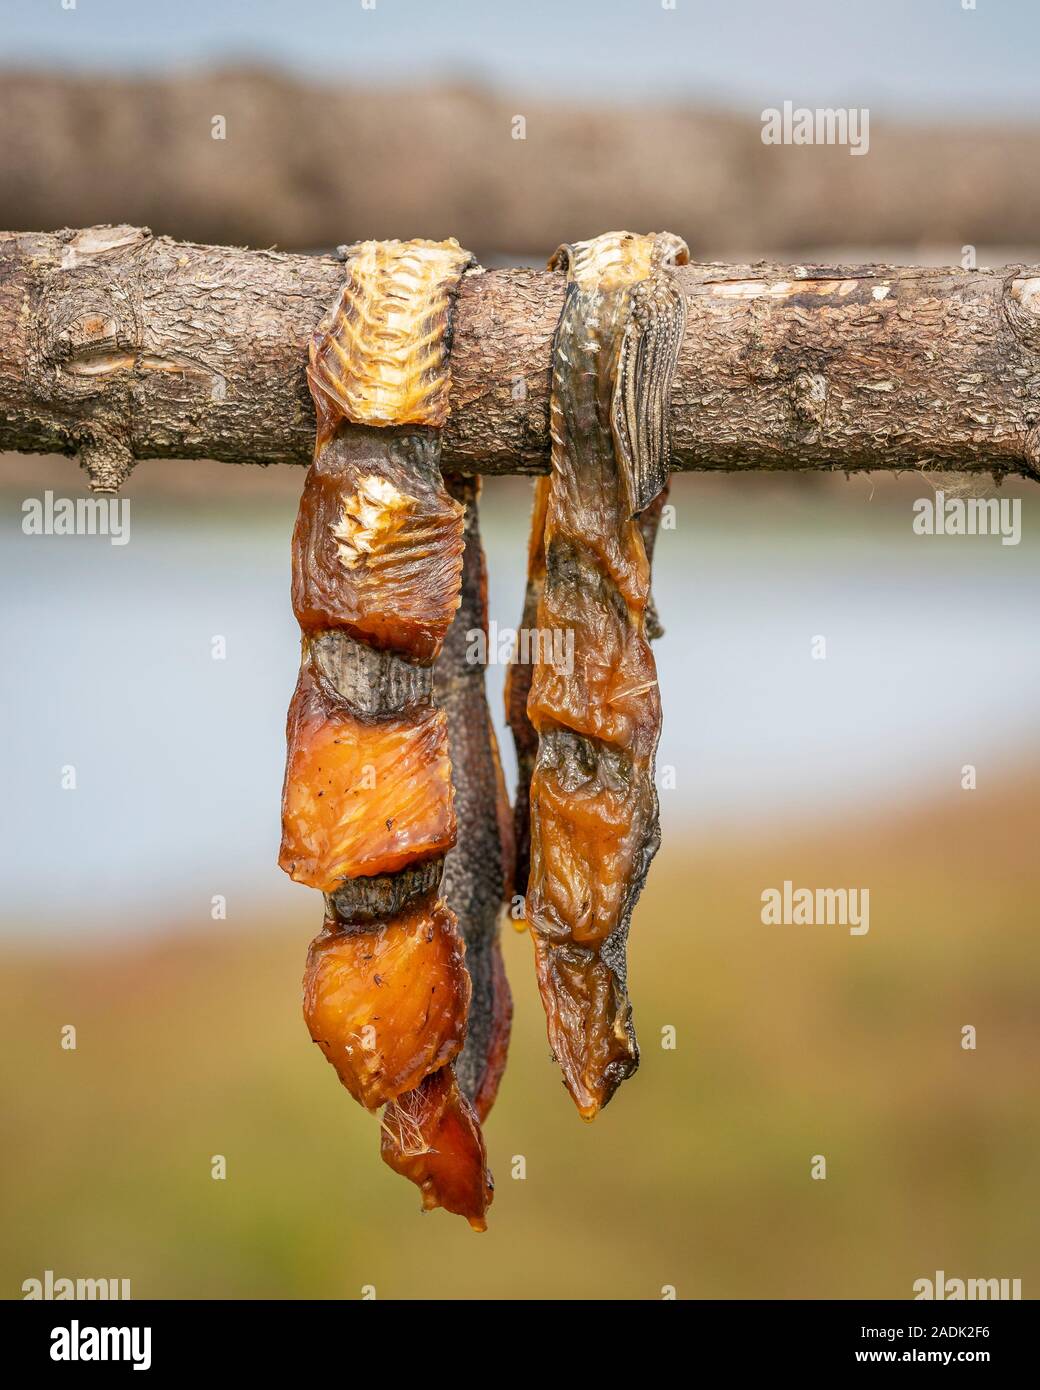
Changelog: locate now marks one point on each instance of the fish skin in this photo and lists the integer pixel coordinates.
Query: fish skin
(478, 869)
(369, 681)
(593, 802)
(371, 897)
(649, 527)
(518, 689)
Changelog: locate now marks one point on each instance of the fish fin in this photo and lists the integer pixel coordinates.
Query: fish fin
(643, 387)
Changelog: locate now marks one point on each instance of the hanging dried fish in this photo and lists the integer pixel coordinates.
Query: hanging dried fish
(593, 803)
(369, 810)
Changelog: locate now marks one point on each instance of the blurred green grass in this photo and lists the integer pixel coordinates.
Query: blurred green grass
(791, 1041)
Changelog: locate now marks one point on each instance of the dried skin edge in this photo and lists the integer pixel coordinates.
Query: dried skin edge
(431, 1136)
(518, 688)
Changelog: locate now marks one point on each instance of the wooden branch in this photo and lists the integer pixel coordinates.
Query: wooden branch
(123, 346)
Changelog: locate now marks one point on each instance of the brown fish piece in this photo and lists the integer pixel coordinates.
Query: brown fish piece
(432, 1137)
(388, 1006)
(362, 796)
(377, 548)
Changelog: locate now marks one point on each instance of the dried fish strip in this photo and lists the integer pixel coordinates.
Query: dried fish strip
(593, 803)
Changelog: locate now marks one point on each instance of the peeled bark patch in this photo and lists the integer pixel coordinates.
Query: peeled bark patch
(593, 804)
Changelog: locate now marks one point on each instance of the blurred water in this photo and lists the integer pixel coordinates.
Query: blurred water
(932, 662)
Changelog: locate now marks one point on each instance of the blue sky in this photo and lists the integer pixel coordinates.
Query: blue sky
(926, 56)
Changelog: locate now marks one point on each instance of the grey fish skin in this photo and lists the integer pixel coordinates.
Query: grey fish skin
(370, 681)
(477, 871)
(362, 901)
(649, 527)
(518, 688)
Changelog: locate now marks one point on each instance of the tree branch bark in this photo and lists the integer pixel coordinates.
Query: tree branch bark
(123, 346)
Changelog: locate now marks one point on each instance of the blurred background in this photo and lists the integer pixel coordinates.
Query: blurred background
(791, 1042)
